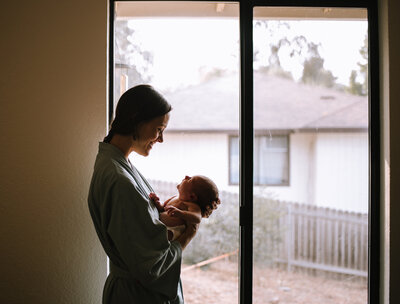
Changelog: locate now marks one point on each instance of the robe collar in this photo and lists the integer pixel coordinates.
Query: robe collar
(113, 152)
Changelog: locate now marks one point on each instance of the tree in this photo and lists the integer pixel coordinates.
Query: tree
(129, 55)
(273, 63)
(355, 87)
(364, 66)
(306, 51)
(313, 68)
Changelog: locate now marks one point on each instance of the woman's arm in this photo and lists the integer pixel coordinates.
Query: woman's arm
(189, 233)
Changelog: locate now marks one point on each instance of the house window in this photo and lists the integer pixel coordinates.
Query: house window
(271, 160)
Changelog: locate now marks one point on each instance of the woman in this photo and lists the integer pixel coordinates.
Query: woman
(144, 265)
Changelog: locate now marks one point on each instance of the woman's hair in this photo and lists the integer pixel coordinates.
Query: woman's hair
(139, 104)
(207, 195)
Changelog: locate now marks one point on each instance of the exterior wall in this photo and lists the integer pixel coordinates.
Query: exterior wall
(53, 113)
(320, 164)
(187, 154)
(327, 170)
(342, 171)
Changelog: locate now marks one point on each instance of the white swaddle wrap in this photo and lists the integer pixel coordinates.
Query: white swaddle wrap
(176, 231)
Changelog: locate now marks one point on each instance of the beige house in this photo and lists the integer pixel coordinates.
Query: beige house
(311, 143)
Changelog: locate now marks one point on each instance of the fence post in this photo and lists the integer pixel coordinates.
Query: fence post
(289, 237)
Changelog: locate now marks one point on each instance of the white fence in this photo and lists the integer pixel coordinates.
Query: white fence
(324, 239)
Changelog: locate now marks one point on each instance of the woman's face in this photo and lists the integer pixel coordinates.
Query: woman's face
(149, 133)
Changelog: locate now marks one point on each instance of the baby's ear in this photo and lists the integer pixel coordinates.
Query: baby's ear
(193, 196)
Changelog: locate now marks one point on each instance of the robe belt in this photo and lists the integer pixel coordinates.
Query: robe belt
(119, 272)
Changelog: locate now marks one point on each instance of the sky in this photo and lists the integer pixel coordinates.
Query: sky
(184, 49)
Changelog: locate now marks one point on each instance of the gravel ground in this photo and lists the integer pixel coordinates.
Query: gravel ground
(218, 283)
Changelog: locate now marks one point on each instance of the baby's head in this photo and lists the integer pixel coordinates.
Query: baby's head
(199, 189)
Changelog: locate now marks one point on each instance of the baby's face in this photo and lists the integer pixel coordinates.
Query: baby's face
(187, 187)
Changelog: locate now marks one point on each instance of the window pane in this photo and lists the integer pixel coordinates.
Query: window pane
(189, 52)
(270, 161)
(311, 185)
(272, 166)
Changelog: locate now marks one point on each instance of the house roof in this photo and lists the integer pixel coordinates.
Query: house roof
(279, 104)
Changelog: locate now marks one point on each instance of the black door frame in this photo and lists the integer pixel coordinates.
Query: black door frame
(247, 131)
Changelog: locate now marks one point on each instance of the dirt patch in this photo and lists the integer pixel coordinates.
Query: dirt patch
(218, 284)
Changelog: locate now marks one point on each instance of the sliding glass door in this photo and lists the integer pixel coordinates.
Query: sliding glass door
(276, 104)
(190, 53)
(311, 159)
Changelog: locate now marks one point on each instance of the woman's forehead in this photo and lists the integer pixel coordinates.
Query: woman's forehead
(159, 121)
(162, 120)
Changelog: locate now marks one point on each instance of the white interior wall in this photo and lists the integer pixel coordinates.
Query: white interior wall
(53, 113)
(389, 37)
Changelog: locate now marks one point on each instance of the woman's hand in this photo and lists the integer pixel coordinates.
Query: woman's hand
(188, 234)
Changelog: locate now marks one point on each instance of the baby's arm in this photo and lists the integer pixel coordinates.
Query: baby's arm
(192, 215)
(157, 203)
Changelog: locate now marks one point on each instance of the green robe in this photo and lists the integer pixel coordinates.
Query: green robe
(144, 266)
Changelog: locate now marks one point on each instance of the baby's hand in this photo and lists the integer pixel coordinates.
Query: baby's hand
(173, 211)
(156, 201)
(154, 197)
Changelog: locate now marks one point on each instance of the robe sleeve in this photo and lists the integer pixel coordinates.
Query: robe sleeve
(141, 240)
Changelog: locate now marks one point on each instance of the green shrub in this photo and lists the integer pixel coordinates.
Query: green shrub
(219, 234)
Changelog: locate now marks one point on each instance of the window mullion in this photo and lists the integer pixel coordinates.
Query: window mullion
(246, 153)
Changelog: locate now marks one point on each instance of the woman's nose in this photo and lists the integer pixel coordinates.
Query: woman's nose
(187, 177)
(160, 138)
